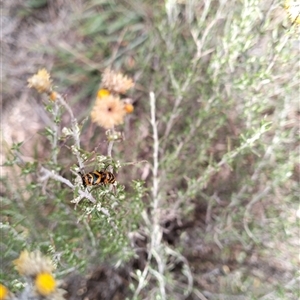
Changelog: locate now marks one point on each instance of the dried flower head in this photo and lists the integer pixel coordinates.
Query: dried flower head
(116, 82)
(33, 263)
(45, 284)
(40, 81)
(293, 9)
(108, 111)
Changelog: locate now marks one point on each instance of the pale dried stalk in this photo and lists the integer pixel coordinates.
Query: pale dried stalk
(155, 231)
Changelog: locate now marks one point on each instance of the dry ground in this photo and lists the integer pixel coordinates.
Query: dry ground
(25, 33)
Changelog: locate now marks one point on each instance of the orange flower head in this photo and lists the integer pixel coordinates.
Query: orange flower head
(108, 111)
(116, 82)
(40, 81)
(53, 96)
(128, 108)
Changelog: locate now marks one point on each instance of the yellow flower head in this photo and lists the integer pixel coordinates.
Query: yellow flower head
(102, 93)
(33, 263)
(40, 81)
(3, 292)
(45, 284)
(293, 9)
(108, 111)
(116, 82)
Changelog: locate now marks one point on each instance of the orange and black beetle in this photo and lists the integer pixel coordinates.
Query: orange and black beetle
(97, 178)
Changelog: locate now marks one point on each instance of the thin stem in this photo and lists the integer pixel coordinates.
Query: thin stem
(180, 91)
(255, 199)
(75, 130)
(155, 231)
(109, 148)
(46, 174)
(55, 135)
(155, 151)
(110, 144)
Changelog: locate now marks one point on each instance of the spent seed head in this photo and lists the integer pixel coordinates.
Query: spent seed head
(40, 81)
(33, 263)
(116, 82)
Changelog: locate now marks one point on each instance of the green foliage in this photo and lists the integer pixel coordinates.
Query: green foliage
(225, 124)
(38, 211)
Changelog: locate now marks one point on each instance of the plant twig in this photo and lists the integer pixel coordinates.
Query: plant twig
(155, 152)
(55, 135)
(155, 232)
(75, 130)
(249, 206)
